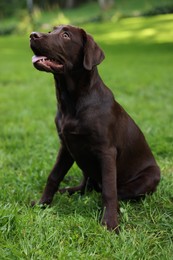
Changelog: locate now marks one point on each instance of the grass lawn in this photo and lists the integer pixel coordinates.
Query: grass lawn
(139, 70)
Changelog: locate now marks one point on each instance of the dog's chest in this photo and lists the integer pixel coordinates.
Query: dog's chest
(80, 140)
(75, 133)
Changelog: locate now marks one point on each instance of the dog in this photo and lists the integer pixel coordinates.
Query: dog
(94, 130)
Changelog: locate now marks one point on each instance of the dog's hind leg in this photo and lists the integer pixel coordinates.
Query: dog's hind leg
(87, 184)
(71, 190)
(145, 183)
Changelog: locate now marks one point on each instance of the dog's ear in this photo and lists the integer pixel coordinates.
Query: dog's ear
(93, 55)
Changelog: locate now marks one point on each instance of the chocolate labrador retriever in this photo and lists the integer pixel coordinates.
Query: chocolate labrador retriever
(94, 130)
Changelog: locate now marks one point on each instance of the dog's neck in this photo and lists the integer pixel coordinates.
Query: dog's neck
(70, 87)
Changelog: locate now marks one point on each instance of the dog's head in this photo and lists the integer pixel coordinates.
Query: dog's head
(66, 48)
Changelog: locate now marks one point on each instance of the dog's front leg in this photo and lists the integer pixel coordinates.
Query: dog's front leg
(61, 167)
(109, 190)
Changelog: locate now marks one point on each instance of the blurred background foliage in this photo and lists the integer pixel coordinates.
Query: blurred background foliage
(13, 6)
(21, 16)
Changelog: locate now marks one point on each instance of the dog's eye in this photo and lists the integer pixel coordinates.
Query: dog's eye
(66, 35)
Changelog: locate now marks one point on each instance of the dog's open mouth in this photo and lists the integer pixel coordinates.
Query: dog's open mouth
(46, 64)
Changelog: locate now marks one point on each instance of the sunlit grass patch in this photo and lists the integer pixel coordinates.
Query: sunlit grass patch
(147, 30)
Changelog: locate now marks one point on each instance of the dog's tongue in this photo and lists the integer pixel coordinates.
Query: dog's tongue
(37, 58)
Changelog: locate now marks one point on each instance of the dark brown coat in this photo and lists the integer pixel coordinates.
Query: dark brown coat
(94, 129)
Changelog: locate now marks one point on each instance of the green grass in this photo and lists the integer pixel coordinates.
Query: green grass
(138, 68)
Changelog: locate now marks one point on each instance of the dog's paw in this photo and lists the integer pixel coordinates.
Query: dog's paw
(40, 204)
(33, 203)
(112, 227)
(111, 224)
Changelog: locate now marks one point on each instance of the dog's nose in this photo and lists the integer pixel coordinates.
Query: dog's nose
(35, 35)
